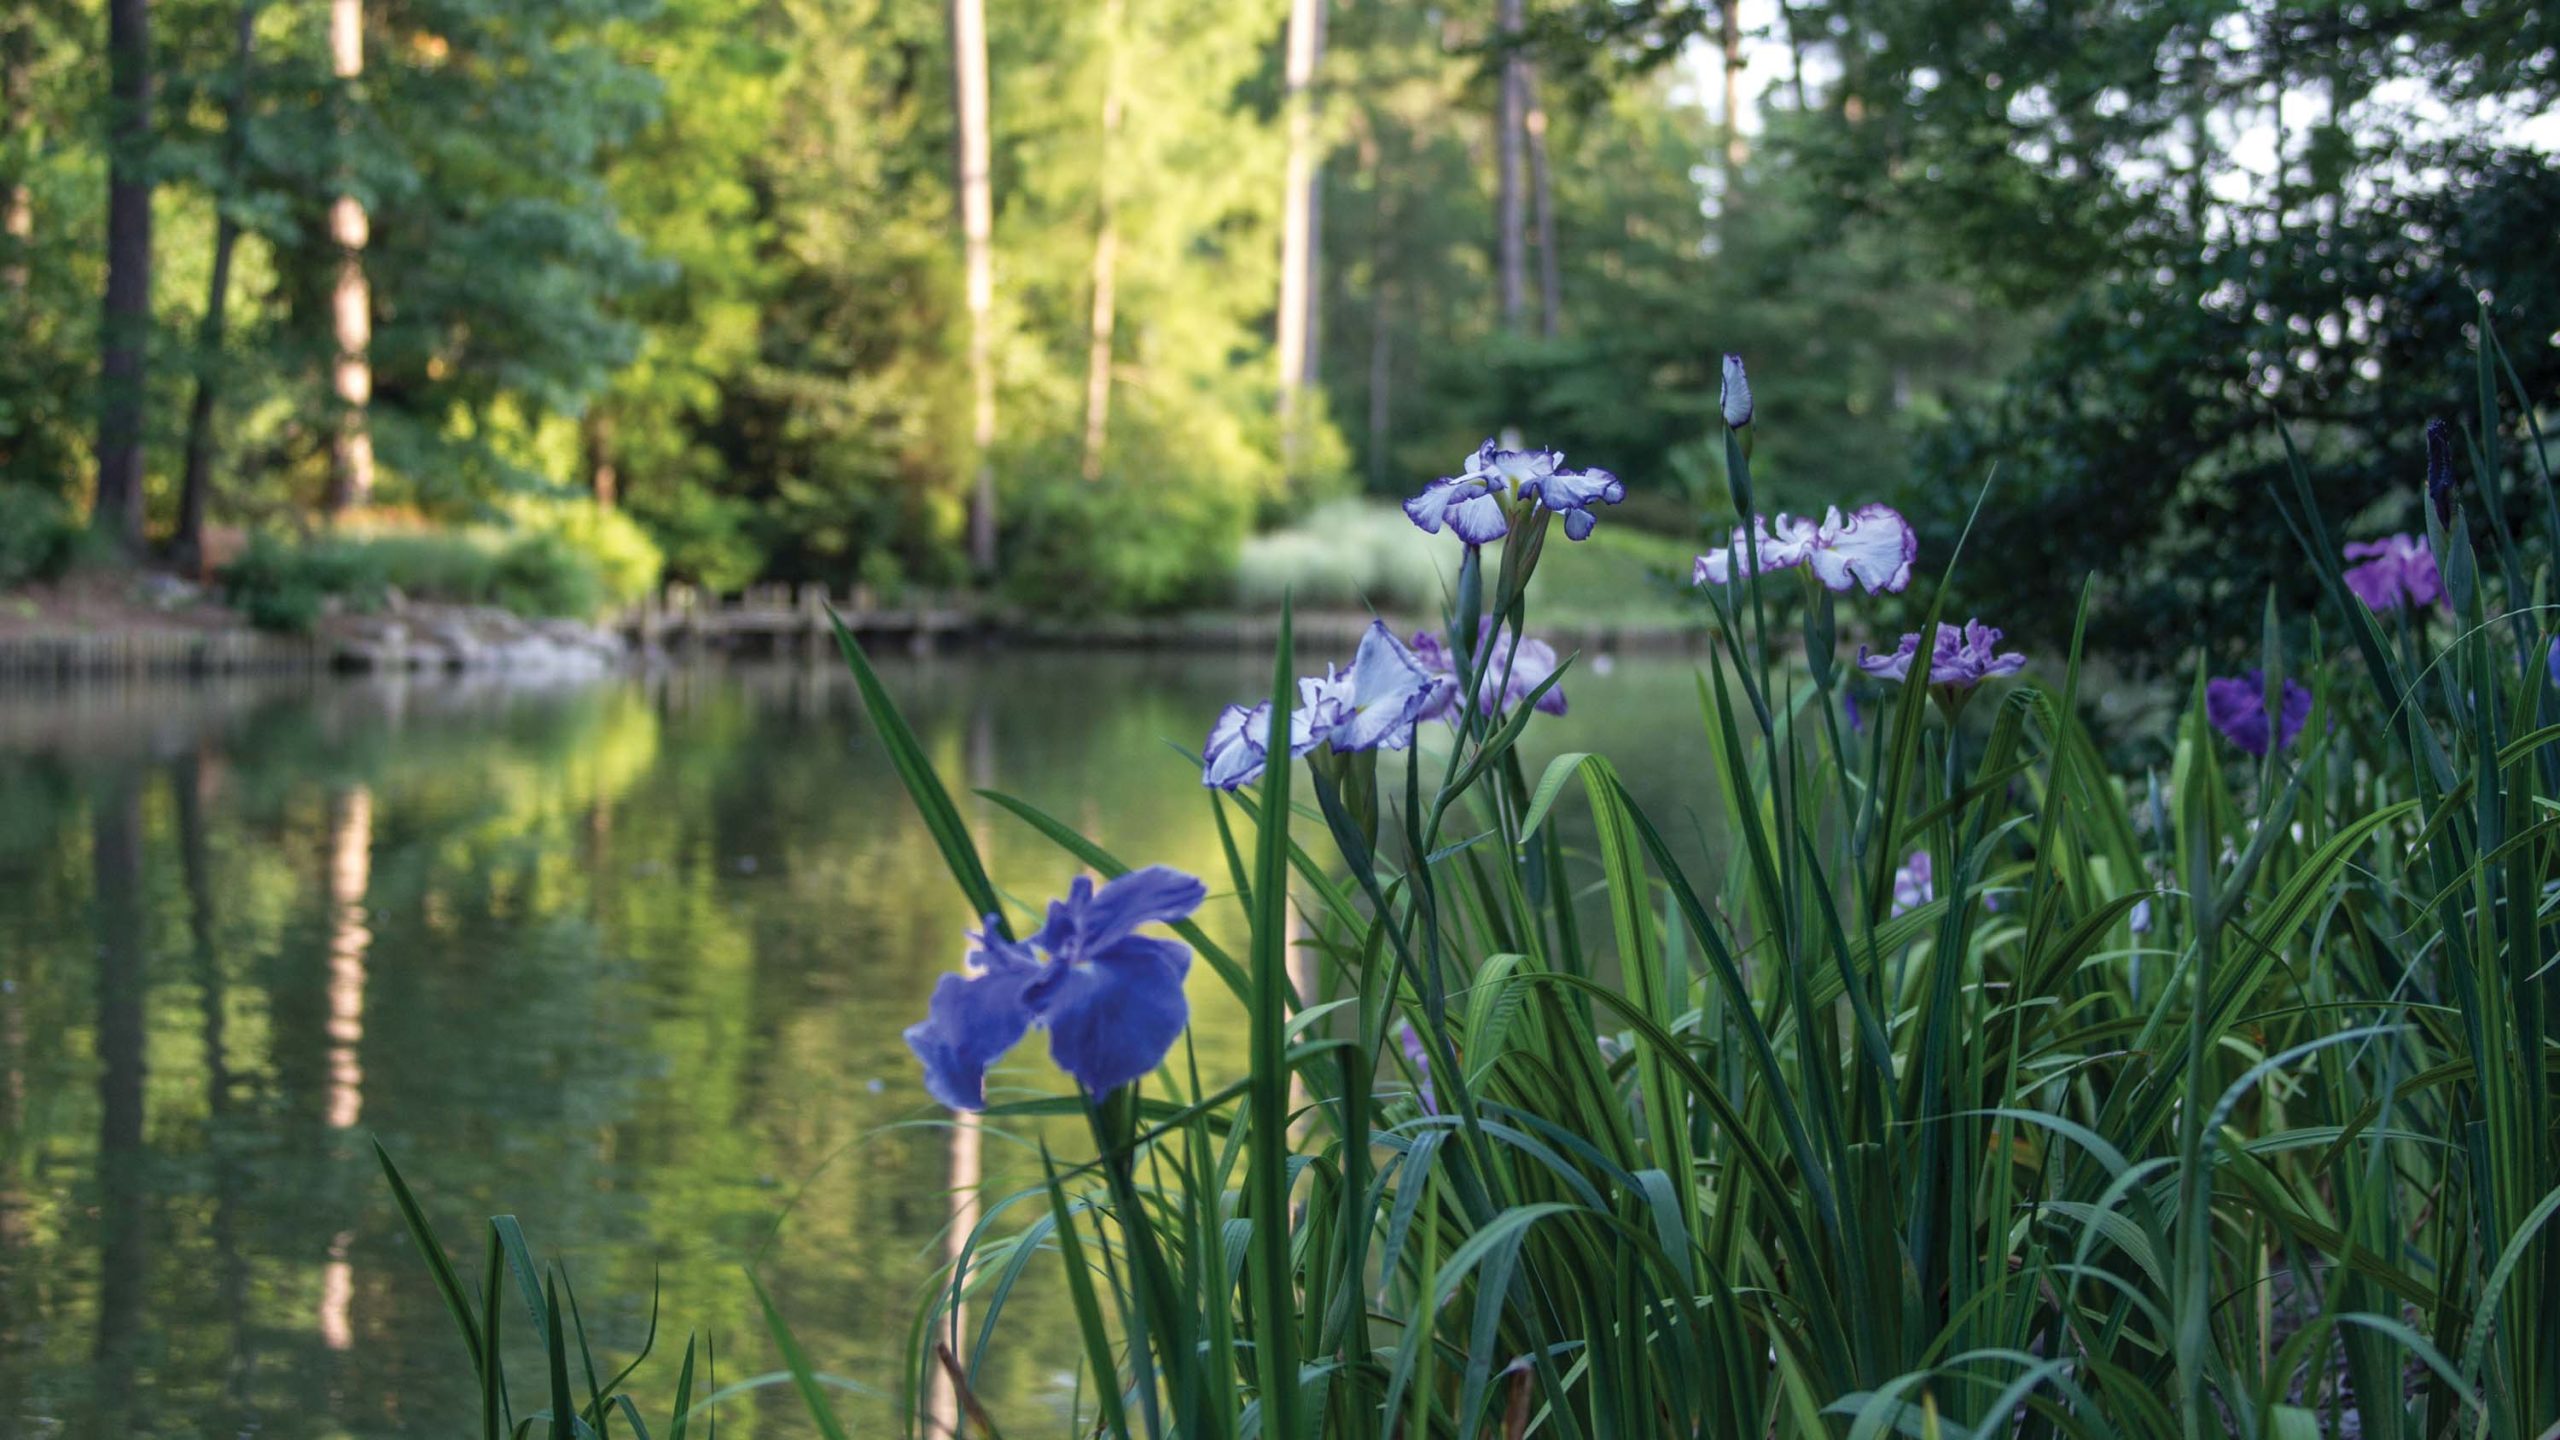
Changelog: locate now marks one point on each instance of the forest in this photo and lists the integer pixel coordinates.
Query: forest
(1062, 303)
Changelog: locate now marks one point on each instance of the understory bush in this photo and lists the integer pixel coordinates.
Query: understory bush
(1970, 1089)
(38, 534)
(557, 559)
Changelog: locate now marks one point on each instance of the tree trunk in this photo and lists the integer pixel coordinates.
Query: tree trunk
(195, 486)
(1510, 207)
(604, 472)
(1542, 191)
(1295, 350)
(17, 117)
(1381, 310)
(126, 332)
(1106, 257)
(968, 22)
(1735, 151)
(351, 299)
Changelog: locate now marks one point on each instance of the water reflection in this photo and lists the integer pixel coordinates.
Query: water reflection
(629, 960)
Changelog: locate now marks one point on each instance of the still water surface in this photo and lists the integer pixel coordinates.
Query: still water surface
(626, 959)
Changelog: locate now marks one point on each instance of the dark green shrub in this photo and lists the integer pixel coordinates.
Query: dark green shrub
(38, 535)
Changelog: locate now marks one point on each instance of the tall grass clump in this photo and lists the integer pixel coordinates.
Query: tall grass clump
(1981, 1092)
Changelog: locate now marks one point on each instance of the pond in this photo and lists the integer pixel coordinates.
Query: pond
(627, 959)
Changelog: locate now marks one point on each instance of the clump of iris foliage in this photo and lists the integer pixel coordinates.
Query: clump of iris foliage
(1983, 1092)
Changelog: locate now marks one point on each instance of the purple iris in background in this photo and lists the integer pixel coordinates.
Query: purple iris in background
(2237, 706)
(1871, 548)
(1372, 706)
(1914, 885)
(1410, 1041)
(2398, 570)
(1856, 712)
(1528, 668)
(1961, 656)
(1476, 503)
(1110, 998)
(2551, 662)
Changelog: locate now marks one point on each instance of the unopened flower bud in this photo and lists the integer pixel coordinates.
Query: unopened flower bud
(1737, 393)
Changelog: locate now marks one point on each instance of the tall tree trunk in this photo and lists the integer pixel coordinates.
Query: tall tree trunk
(1735, 151)
(196, 484)
(1542, 191)
(1106, 255)
(1295, 347)
(17, 118)
(351, 298)
(127, 323)
(968, 23)
(604, 471)
(1381, 315)
(1510, 204)
(1795, 55)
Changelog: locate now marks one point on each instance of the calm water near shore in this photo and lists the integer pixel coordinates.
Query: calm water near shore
(628, 959)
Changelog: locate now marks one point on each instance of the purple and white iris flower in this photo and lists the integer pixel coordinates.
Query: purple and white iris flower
(1527, 668)
(1915, 884)
(1871, 548)
(1110, 998)
(1372, 706)
(2237, 706)
(1961, 657)
(1480, 502)
(2398, 570)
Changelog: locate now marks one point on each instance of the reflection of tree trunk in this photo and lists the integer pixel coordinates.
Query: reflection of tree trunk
(1106, 256)
(123, 974)
(1550, 276)
(351, 299)
(968, 22)
(15, 1241)
(963, 1155)
(1511, 211)
(350, 874)
(197, 479)
(1295, 348)
(231, 1279)
(125, 334)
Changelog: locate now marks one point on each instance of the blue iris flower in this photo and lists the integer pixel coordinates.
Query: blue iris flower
(1374, 705)
(1110, 998)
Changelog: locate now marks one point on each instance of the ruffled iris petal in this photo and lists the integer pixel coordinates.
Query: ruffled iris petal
(971, 1021)
(1234, 754)
(1462, 503)
(1872, 549)
(1114, 1014)
(1479, 521)
(1390, 689)
(1090, 921)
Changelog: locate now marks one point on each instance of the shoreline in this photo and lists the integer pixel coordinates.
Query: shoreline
(452, 640)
